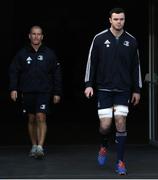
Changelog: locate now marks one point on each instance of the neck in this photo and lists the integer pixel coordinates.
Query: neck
(35, 47)
(116, 33)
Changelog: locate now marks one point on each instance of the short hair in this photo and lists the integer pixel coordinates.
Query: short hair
(36, 26)
(116, 10)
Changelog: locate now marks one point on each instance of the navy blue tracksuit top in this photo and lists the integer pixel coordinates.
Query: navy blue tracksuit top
(113, 63)
(32, 71)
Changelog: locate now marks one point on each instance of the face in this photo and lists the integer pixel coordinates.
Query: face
(117, 21)
(36, 36)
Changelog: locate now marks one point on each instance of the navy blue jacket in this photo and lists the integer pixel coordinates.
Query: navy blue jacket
(32, 71)
(113, 63)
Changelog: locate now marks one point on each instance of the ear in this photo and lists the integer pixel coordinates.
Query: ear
(110, 20)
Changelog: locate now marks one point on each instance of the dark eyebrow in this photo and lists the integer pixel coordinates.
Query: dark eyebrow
(118, 18)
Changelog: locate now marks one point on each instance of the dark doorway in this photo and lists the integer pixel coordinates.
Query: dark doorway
(69, 29)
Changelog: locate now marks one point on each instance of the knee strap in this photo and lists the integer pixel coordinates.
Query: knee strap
(105, 113)
(121, 110)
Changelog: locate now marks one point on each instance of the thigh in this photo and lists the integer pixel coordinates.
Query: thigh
(105, 106)
(29, 101)
(105, 99)
(42, 103)
(121, 102)
(121, 98)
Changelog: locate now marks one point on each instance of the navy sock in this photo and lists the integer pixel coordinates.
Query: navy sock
(104, 140)
(120, 144)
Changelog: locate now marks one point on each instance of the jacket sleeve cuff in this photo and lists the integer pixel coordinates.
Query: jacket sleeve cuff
(88, 84)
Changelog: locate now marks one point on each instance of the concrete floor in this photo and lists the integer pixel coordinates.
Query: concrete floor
(77, 162)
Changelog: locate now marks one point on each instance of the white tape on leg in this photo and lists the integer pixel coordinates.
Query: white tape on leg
(102, 113)
(121, 110)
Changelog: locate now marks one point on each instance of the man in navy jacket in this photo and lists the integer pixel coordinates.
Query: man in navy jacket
(113, 68)
(35, 74)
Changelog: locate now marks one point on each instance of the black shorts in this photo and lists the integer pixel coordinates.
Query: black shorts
(107, 99)
(36, 102)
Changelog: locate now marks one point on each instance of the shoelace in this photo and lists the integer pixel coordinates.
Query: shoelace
(121, 164)
(102, 151)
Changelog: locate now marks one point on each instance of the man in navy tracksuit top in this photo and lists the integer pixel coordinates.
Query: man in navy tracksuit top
(36, 74)
(113, 68)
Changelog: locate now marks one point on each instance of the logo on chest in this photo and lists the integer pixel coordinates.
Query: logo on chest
(126, 43)
(40, 57)
(28, 60)
(107, 43)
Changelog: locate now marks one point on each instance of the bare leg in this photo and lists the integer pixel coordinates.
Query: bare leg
(32, 128)
(105, 124)
(41, 127)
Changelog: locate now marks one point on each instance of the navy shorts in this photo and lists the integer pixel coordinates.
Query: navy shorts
(107, 99)
(36, 102)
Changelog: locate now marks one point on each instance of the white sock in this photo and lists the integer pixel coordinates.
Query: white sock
(34, 146)
(40, 147)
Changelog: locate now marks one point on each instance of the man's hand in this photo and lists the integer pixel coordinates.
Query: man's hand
(14, 95)
(88, 92)
(135, 98)
(56, 99)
